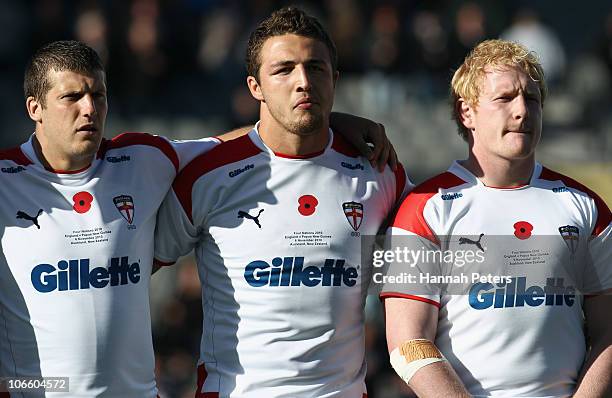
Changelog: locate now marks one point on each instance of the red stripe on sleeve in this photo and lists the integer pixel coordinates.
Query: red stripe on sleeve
(410, 216)
(158, 263)
(604, 216)
(128, 139)
(341, 145)
(225, 153)
(16, 155)
(400, 181)
(387, 295)
(202, 375)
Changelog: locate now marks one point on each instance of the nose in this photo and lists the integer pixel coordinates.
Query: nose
(303, 78)
(88, 105)
(520, 110)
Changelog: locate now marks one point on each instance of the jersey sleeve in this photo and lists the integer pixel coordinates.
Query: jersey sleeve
(405, 265)
(403, 184)
(408, 235)
(187, 150)
(598, 270)
(175, 235)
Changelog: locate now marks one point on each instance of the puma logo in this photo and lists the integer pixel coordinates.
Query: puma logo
(21, 214)
(244, 214)
(467, 241)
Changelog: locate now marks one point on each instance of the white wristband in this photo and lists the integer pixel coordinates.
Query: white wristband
(406, 369)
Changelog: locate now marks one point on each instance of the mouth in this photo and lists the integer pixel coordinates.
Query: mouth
(87, 129)
(519, 131)
(304, 103)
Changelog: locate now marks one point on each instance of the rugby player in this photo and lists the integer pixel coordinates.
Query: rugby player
(523, 337)
(275, 218)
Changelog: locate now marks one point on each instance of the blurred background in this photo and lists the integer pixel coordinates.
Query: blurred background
(175, 67)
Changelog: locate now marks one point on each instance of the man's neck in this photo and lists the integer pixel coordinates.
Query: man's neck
(52, 161)
(282, 141)
(499, 172)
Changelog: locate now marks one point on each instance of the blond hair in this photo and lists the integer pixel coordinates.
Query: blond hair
(491, 54)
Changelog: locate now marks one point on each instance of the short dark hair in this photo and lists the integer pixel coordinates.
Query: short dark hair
(288, 20)
(64, 55)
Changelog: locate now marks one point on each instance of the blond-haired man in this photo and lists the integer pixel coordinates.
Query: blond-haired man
(521, 335)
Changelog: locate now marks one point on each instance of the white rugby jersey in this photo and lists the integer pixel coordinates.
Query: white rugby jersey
(75, 265)
(277, 241)
(522, 338)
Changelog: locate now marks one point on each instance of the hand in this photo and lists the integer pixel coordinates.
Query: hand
(362, 133)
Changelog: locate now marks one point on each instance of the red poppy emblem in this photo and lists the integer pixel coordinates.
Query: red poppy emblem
(308, 204)
(82, 202)
(522, 230)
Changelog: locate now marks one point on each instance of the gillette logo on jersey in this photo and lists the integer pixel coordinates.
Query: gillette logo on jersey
(290, 271)
(516, 294)
(76, 275)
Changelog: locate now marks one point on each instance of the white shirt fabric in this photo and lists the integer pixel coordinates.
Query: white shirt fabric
(277, 242)
(500, 343)
(75, 267)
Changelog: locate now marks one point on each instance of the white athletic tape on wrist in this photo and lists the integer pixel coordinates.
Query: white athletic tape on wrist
(412, 355)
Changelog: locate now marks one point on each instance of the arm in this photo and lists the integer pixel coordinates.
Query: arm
(411, 319)
(359, 132)
(175, 234)
(239, 132)
(596, 375)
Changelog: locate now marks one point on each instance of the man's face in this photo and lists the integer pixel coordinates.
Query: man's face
(72, 120)
(507, 122)
(296, 83)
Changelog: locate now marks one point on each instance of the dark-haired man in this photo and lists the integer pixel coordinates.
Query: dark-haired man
(276, 229)
(77, 216)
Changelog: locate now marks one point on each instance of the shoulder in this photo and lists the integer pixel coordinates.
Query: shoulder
(604, 216)
(223, 154)
(132, 139)
(426, 190)
(411, 213)
(15, 155)
(342, 146)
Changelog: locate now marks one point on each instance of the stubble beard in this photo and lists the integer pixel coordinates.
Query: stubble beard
(308, 124)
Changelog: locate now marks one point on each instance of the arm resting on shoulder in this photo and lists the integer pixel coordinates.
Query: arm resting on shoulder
(358, 131)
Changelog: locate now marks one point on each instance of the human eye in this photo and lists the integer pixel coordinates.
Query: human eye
(533, 98)
(70, 96)
(282, 70)
(317, 67)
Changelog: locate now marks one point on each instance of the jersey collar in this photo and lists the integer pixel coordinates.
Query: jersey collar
(457, 169)
(28, 150)
(256, 138)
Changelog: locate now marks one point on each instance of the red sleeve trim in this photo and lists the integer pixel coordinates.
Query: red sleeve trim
(400, 181)
(16, 155)
(128, 139)
(202, 375)
(159, 263)
(410, 297)
(225, 153)
(341, 145)
(604, 217)
(410, 217)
